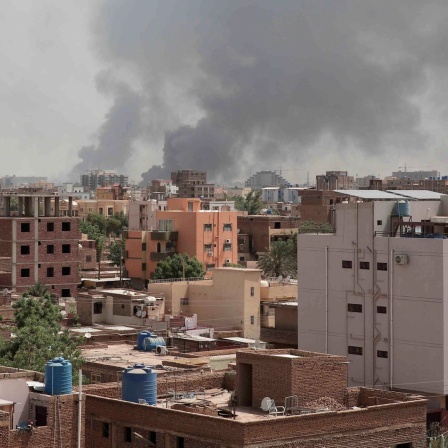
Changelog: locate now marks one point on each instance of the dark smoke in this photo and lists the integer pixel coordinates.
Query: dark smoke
(238, 85)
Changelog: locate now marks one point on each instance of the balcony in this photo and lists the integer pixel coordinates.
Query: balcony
(159, 256)
(157, 235)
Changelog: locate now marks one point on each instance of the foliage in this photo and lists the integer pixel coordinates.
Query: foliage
(37, 290)
(316, 227)
(253, 203)
(38, 336)
(239, 202)
(280, 260)
(116, 252)
(173, 267)
(14, 204)
(233, 265)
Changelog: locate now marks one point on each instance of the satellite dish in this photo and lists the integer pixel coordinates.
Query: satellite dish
(266, 404)
(139, 313)
(5, 292)
(143, 313)
(238, 231)
(280, 278)
(87, 335)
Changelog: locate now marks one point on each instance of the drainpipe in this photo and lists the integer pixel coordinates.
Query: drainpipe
(391, 319)
(80, 409)
(326, 299)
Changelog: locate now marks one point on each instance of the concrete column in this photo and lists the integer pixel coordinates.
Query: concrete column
(36, 206)
(28, 206)
(56, 206)
(47, 206)
(70, 206)
(20, 206)
(7, 205)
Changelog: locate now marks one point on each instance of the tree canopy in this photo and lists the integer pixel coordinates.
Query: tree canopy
(281, 259)
(116, 252)
(38, 337)
(251, 203)
(315, 227)
(173, 267)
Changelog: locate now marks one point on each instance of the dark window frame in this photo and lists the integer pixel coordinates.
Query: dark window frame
(381, 266)
(382, 354)
(66, 270)
(354, 350)
(25, 250)
(354, 307)
(347, 264)
(381, 309)
(50, 226)
(50, 271)
(25, 227)
(66, 226)
(25, 272)
(65, 247)
(365, 265)
(50, 248)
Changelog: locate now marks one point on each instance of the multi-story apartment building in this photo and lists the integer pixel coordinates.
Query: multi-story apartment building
(93, 179)
(334, 180)
(209, 235)
(263, 179)
(39, 246)
(193, 184)
(377, 291)
(106, 207)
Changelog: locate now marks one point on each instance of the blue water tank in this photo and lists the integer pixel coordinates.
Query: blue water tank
(402, 208)
(141, 336)
(150, 343)
(269, 211)
(58, 377)
(139, 383)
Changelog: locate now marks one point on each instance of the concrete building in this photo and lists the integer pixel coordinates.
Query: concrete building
(193, 184)
(93, 179)
(208, 235)
(318, 205)
(279, 323)
(266, 178)
(416, 175)
(106, 207)
(376, 291)
(39, 246)
(334, 180)
(142, 215)
(162, 189)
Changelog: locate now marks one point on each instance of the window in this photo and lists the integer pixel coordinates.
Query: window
(184, 301)
(404, 445)
(50, 249)
(65, 226)
(252, 291)
(41, 416)
(190, 206)
(144, 267)
(381, 310)
(110, 211)
(379, 222)
(50, 226)
(143, 246)
(352, 350)
(207, 247)
(382, 354)
(277, 225)
(346, 264)
(50, 272)
(152, 437)
(66, 270)
(100, 210)
(252, 319)
(97, 307)
(180, 442)
(66, 248)
(127, 434)
(209, 266)
(381, 266)
(95, 378)
(65, 292)
(165, 225)
(364, 265)
(25, 227)
(227, 247)
(25, 272)
(354, 308)
(227, 227)
(207, 227)
(105, 429)
(88, 258)
(24, 250)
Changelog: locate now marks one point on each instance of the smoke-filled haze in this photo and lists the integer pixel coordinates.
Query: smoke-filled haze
(233, 87)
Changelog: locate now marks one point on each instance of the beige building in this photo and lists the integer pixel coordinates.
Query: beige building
(377, 291)
(106, 207)
(229, 301)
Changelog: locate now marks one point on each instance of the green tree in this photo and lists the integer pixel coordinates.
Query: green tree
(116, 252)
(14, 204)
(281, 259)
(37, 290)
(38, 336)
(253, 203)
(315, 227)
(179, 266)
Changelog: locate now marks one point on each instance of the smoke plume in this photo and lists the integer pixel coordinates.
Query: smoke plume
(239, 85)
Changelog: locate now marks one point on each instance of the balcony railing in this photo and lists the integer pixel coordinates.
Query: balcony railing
(157, 235)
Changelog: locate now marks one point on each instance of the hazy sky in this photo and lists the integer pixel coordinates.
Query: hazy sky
(229, 86)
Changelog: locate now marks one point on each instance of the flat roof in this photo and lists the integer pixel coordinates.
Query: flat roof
(418, 194)
(368, 194)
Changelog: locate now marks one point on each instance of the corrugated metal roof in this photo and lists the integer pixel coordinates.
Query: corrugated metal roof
(417, 194)
(368, 194)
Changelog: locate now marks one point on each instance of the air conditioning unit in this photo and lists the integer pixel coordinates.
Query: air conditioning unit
(228, 241)
(402, 259)
(228, 260)
(210, 254)
(161, 350)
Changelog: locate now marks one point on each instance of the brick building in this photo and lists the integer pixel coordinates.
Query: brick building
(193, 184)
(36, 246)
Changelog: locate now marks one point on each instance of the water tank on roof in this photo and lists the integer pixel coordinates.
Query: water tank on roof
(150, 343)
(58, 377)
(402, 208)
(141, 336)
(139, 383)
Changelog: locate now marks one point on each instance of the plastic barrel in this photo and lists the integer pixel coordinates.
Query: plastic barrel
(58, 377)
(139, 383)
